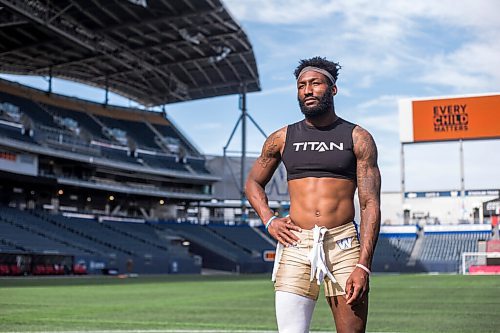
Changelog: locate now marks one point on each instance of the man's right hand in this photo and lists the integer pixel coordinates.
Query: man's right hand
(281, 230)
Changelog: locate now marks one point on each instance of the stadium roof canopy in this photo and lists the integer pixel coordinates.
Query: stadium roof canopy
(151, 51)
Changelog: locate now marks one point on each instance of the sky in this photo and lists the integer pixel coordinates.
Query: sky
(388, 50)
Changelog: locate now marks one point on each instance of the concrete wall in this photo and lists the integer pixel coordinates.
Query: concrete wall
(443, 210)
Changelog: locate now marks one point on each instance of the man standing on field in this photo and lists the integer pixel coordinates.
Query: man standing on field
(326, 158)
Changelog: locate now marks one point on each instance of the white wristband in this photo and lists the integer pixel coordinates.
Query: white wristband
(270, 220)
(363, 267)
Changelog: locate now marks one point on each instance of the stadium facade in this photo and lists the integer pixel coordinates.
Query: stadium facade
(89, 187)
(94, 188)
(115, 189)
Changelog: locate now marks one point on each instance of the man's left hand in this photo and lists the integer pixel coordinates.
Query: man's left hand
(357, 286)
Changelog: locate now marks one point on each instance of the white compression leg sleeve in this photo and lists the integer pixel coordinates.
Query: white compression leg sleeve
(293, 312)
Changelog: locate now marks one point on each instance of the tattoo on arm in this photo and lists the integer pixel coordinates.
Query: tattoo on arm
(368, 178)
(269, 151)
(261, 173)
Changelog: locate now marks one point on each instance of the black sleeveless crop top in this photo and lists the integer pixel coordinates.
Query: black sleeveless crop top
(320, 151)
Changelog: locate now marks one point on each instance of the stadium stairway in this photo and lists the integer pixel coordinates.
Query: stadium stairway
(392, 253)
(245, 237)
(417, 249)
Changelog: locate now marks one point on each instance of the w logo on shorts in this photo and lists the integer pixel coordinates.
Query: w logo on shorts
(345, 243)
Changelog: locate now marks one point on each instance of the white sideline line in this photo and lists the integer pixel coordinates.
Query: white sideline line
(165, 331)
(151, 331)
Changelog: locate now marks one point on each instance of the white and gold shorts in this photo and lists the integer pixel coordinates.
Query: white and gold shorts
(321, 255)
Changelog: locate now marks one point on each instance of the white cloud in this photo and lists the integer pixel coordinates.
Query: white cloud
(384, 39)
(343, 91)
(382, 101)
(366, 81)
(379, 115)
(380, 123)
(479, 14)
(474, 66)
(280, 11)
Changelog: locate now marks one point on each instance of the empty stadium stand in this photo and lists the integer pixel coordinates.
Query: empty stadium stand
(440, 247)
(162, 161)
(43, 222)
(394, 248)
(7, 246)
(118, 155)
(29, 237)
(148, 135)
(138, 130)
(62, 156)
(198, 165)
(95, 152)
(90, 128)
(14, 132)
(392, 253)
(28, 107)
(442, 251)
(105, 245)
(222, 248)
(245, 236)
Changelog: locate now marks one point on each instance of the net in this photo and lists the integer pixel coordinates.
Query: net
(480, 263)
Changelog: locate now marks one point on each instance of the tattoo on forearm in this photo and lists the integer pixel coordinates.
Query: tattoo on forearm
(368, 178)
(270, 150)
(262, 195)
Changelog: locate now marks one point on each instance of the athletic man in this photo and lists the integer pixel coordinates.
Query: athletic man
(326, 158)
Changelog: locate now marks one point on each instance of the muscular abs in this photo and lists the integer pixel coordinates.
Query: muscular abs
(326, 202)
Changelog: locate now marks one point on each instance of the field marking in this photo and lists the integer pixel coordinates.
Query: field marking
(166, 331)
(153, 331)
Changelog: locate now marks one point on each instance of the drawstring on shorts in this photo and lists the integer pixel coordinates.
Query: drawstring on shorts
(316, 257)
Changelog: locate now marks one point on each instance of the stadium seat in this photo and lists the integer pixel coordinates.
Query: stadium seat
(4, 270)
(50, 270)
(79, 269)
(15, 270)
(442, 251)
(39, 270)
(59, 270)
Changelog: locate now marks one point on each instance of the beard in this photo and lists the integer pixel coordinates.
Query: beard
(324, 106)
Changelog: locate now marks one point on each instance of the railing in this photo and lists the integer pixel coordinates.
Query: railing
(149, 188)
(64, 139)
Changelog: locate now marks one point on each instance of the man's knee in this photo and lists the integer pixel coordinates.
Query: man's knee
(349, 318)
(293, 312)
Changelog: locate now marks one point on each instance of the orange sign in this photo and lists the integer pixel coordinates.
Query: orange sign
(269, 255)
(456, 118)
(8, 156)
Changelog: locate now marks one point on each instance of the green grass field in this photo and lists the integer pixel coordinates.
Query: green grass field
(398, 303)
